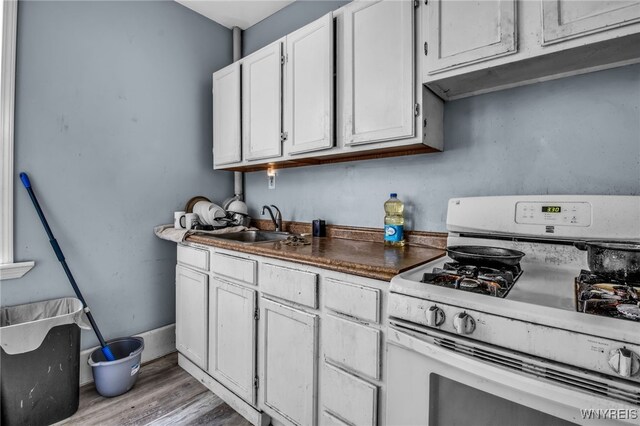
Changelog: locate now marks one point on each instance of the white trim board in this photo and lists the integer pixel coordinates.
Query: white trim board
(157, 343)
(9, 15)
(9, 271)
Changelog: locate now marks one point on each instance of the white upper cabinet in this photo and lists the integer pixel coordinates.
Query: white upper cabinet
(232, 337)
(262, 103)
(309, 87)
(566, 19)
(464, 32)
(473, 47)
(378, 80)
(226, 116)
(344, 87)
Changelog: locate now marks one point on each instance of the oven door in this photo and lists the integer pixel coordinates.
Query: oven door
(440, 379)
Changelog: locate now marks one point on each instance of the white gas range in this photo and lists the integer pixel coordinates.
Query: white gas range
(460, 355)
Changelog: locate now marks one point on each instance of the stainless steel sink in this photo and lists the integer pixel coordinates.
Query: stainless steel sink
(252, 237)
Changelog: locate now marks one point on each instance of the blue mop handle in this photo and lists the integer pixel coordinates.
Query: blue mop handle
(58, 251)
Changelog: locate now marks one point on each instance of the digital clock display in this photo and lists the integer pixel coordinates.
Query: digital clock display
(551, 209)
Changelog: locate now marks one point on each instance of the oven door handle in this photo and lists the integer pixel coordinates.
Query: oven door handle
(526, 389)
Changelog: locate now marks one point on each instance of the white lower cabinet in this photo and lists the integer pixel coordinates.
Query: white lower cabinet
(288, 362)
(351, 348)
(350, 398)
(352, 345)
(329, 419)
(232, 337)
(191, 314)
(248, 328)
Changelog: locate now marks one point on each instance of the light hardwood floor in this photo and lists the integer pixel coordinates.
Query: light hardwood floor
(163, 395)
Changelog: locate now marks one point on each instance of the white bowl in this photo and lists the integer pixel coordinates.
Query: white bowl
(238, 206)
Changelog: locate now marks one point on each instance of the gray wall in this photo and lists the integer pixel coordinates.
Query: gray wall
(577, 135)
(113, 124)
(286, 20)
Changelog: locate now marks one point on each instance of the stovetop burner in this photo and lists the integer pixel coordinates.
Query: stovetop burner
(609, 297)
(476, 279)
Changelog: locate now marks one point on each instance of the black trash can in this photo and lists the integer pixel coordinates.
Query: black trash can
(40, 361)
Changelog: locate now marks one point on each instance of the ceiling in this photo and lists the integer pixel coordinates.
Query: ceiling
(238, 13)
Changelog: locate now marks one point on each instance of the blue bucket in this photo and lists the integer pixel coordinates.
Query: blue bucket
(113, 378)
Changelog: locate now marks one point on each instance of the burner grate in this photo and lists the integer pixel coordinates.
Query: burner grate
(476, 279)
(604, 296)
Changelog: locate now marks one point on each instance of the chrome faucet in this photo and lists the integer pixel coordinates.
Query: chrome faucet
(277, 220)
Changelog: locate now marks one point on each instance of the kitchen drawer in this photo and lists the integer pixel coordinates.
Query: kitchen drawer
(352, 299)
(290, 284)
(329, 419)
(196, 258)
(237, 268)
(349, 397)
(352, 345)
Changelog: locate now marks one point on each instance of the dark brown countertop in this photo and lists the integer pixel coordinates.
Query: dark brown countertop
(364, 258)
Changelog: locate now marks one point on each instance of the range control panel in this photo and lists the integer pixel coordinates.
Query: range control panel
(553, 213)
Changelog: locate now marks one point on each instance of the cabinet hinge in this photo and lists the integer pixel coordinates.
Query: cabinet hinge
(284, 58)
(256, 314)
(283, 136)
(256, 383)
(416, 3)
(416, 110)
(426, 47)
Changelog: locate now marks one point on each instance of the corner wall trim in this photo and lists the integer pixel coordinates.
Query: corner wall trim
(157, 343)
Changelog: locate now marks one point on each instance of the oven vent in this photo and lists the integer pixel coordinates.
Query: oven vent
(564, 377)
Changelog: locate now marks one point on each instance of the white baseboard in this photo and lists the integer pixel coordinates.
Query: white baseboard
(157, 343)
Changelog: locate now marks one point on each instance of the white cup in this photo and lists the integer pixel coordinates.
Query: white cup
(182, 220)
(190, 220)
(176, 219)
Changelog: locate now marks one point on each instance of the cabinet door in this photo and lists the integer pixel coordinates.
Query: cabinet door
(232, 337)
(191, 315)
(459, 33)
(226, 116)
(566, 19)
(309, 87)
(378, 80)
(351, 398)
(261, 103)
(288, 362)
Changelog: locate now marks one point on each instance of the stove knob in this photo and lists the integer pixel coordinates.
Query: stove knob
(624, 362)
(435, 316)
(463, 323)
